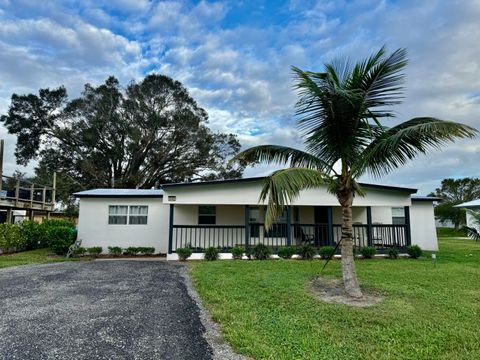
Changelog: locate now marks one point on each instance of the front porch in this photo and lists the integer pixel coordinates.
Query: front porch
(226, 226)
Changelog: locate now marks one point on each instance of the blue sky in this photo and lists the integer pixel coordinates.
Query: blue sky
(235, 59)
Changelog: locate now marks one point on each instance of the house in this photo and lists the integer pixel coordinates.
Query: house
(473, 205)
(227, 213)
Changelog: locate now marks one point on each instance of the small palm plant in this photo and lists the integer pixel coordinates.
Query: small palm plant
(473, 231)
(340, 117)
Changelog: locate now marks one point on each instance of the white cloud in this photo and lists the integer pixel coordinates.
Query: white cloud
(241, 73)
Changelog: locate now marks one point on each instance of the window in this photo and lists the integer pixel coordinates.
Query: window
(138, 215)
(117, 214)
(398, 216)
(207, 215)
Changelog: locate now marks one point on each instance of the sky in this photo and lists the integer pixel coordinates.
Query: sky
(235, 58)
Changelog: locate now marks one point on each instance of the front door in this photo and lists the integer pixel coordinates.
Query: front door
(320, 215)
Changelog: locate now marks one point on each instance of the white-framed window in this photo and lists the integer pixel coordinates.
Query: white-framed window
(207, 215)
(138, 215)
(398, 216)
(117, 214)
(123, 214)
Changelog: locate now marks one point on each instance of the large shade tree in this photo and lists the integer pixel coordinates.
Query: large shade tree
(147, 133)
(341, 116)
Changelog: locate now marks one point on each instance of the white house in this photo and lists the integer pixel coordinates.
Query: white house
(227, 213)
(473, 205)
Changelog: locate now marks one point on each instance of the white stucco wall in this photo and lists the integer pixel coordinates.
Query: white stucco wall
(422, 225)
(470, 220)
(247, 193)
(94, 230)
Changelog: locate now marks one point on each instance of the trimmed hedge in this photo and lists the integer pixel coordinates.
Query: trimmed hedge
(11, 239)
(60, 238)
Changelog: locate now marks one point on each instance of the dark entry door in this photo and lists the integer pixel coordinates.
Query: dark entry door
(320, 216)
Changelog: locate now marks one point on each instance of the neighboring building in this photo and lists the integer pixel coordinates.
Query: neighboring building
(473, 205)
(227, 213)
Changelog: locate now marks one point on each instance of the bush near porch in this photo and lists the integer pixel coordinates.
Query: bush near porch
(429, 312)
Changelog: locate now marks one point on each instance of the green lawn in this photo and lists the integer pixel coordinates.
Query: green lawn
(430, 312)
(39, 256)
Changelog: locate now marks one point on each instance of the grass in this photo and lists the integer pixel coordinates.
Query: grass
(451, 232)
(39, 256)
(430, 311)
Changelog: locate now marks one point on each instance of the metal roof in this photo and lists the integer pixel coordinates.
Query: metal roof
(473, 203)
(120, 193)
(252, 179)
(425, 198)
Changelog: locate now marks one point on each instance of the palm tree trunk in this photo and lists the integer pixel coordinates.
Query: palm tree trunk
(350, 281)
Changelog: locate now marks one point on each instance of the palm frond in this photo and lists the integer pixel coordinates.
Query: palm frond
(336, 108)
(283, 186)
(399, 144)
(282, 155)
(472, 233)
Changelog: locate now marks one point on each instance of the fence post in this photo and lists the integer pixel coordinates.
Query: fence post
(369, 226)
(17, 191)
(247, 227)
(407, 223)
(170, 229)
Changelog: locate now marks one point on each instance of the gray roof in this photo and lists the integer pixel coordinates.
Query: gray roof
(473, 203)
(425, 198)
(120, 193)
(260, 178)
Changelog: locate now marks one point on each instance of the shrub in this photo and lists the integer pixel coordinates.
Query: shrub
(58, 223)
(307, 252)
(95, 250)
(286, 252)
(326, 252)
(393, 253)
(237, 252)
(368, 252)
(183, 253)
(115, 250)
(35, 235)
(11, 238)
(211, 254)
(60, 238)
(261, 252)
(146, 250)
(414, 251)
(80, 251)
(131, 250)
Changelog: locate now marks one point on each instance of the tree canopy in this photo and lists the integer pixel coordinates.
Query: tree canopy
(145, 134)
(454, 192)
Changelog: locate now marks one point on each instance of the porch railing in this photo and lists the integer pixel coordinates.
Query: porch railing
(225, 237)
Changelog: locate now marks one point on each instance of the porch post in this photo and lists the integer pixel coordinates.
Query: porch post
(247, 227)
(369, 226)
(289, 226)
(407, 227)
(330, 225)
(170, 229)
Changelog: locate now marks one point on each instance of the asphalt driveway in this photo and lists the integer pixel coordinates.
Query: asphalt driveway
(99, 310)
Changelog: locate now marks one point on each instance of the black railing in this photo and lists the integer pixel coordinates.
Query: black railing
(200, 237)
(225, 237)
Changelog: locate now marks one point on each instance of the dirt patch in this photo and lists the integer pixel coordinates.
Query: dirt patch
(332, 291)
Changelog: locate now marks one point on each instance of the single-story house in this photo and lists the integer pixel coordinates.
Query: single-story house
(227, 213)
(473, 205)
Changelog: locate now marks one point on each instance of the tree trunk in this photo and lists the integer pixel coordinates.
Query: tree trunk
(350, 280)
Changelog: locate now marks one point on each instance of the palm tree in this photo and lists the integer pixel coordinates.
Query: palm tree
(340, 113)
